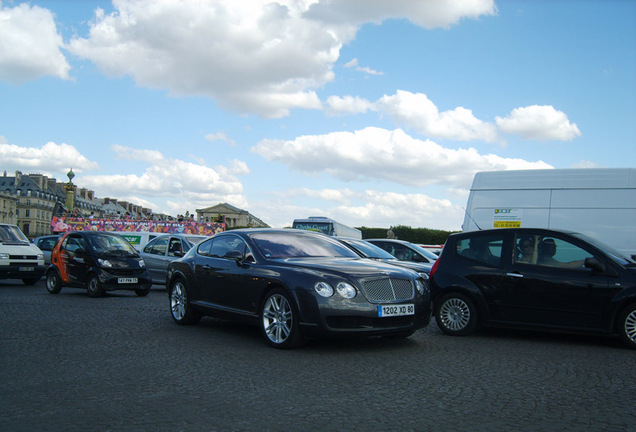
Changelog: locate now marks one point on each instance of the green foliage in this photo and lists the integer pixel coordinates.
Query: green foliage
(413, 235)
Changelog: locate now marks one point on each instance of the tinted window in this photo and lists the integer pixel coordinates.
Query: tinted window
(370, 250)
(157, 247)
(290, 245)
(224, 244)
(485, 249)
(204, 248)
(555, 252)
(175, 247)
(74, 243)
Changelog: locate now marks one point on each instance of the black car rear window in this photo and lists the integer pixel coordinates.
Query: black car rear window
(480, 248)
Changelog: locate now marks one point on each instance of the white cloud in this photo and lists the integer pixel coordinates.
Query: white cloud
(354, 64)
(427, 14)
(30, 46)
(50, 158)
(349, 105)
(188, 184)
(542, 123)
(167, 177)
(379, 154)
(220, 136)
(415, 110)
(371, 208)
(252, 56)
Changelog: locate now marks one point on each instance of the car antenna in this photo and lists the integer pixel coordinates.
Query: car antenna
(471, 218)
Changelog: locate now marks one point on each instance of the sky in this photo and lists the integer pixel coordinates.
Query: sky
(371, 112)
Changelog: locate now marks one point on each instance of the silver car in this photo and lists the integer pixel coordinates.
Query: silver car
(158, 253)
(46, 244)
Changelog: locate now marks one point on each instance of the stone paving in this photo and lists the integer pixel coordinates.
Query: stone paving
(72, 363)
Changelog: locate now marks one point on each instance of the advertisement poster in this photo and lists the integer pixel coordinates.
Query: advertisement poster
(63, 224)
(507, 218)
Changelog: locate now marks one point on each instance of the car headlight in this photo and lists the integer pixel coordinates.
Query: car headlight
(104, 263)
(323, 289)
(41, 257)
(420, 286)
(4, 256)
(346, 290)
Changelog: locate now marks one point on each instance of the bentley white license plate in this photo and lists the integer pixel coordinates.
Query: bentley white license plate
(396, 310)
(127, 280)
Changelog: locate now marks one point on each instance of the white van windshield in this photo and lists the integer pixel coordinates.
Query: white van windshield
(12, 234)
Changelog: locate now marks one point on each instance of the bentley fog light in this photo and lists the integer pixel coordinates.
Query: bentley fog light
(324, 289)
(346, 290)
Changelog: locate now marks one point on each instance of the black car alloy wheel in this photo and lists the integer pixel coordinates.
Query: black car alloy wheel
(456, 315)
(627, 325)
(279, 320)
(180, 307)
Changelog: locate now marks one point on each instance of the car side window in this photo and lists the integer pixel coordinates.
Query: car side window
(175, 248)
(485, 249)
(158, 247)
(526, 248)
(556, 252)
(224, 244)
(204, 247)
(402, 253)
(74, 243)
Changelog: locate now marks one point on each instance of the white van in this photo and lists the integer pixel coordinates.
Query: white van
(19, 258)
(598, 202)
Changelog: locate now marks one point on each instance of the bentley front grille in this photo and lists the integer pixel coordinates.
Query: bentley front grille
(388, 289)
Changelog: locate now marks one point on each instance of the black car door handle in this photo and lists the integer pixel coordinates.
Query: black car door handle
(517, 275)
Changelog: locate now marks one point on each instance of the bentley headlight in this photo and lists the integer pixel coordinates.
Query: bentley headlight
(104, 263)
(420, 286)
(323, 289)
(346, 290)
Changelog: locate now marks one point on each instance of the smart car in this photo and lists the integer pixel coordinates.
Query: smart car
(295, 285)
(97, 261)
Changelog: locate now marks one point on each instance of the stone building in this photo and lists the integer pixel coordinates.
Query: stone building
(8, 204)
(234, 217)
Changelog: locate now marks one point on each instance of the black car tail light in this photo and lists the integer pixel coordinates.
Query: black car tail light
(434, 268)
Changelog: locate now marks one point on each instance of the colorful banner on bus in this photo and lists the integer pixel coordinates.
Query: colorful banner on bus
(63, 224)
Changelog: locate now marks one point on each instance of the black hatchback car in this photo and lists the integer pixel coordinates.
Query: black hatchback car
(534, 278)
(97, 261)
(295, 284)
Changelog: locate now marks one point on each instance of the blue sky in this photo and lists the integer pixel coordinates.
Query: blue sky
(371, 112)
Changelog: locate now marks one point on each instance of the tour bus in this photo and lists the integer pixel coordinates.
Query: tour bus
(598, 202)
(327, 226)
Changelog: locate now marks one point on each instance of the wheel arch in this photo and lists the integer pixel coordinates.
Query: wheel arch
(618, 312)
(474, 295)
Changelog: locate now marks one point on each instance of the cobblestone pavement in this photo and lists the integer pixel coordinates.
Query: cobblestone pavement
(72, 363)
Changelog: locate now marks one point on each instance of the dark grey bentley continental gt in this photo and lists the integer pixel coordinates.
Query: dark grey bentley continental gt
(295, 285)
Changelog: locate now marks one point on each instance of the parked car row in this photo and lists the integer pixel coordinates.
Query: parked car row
(298, 285)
